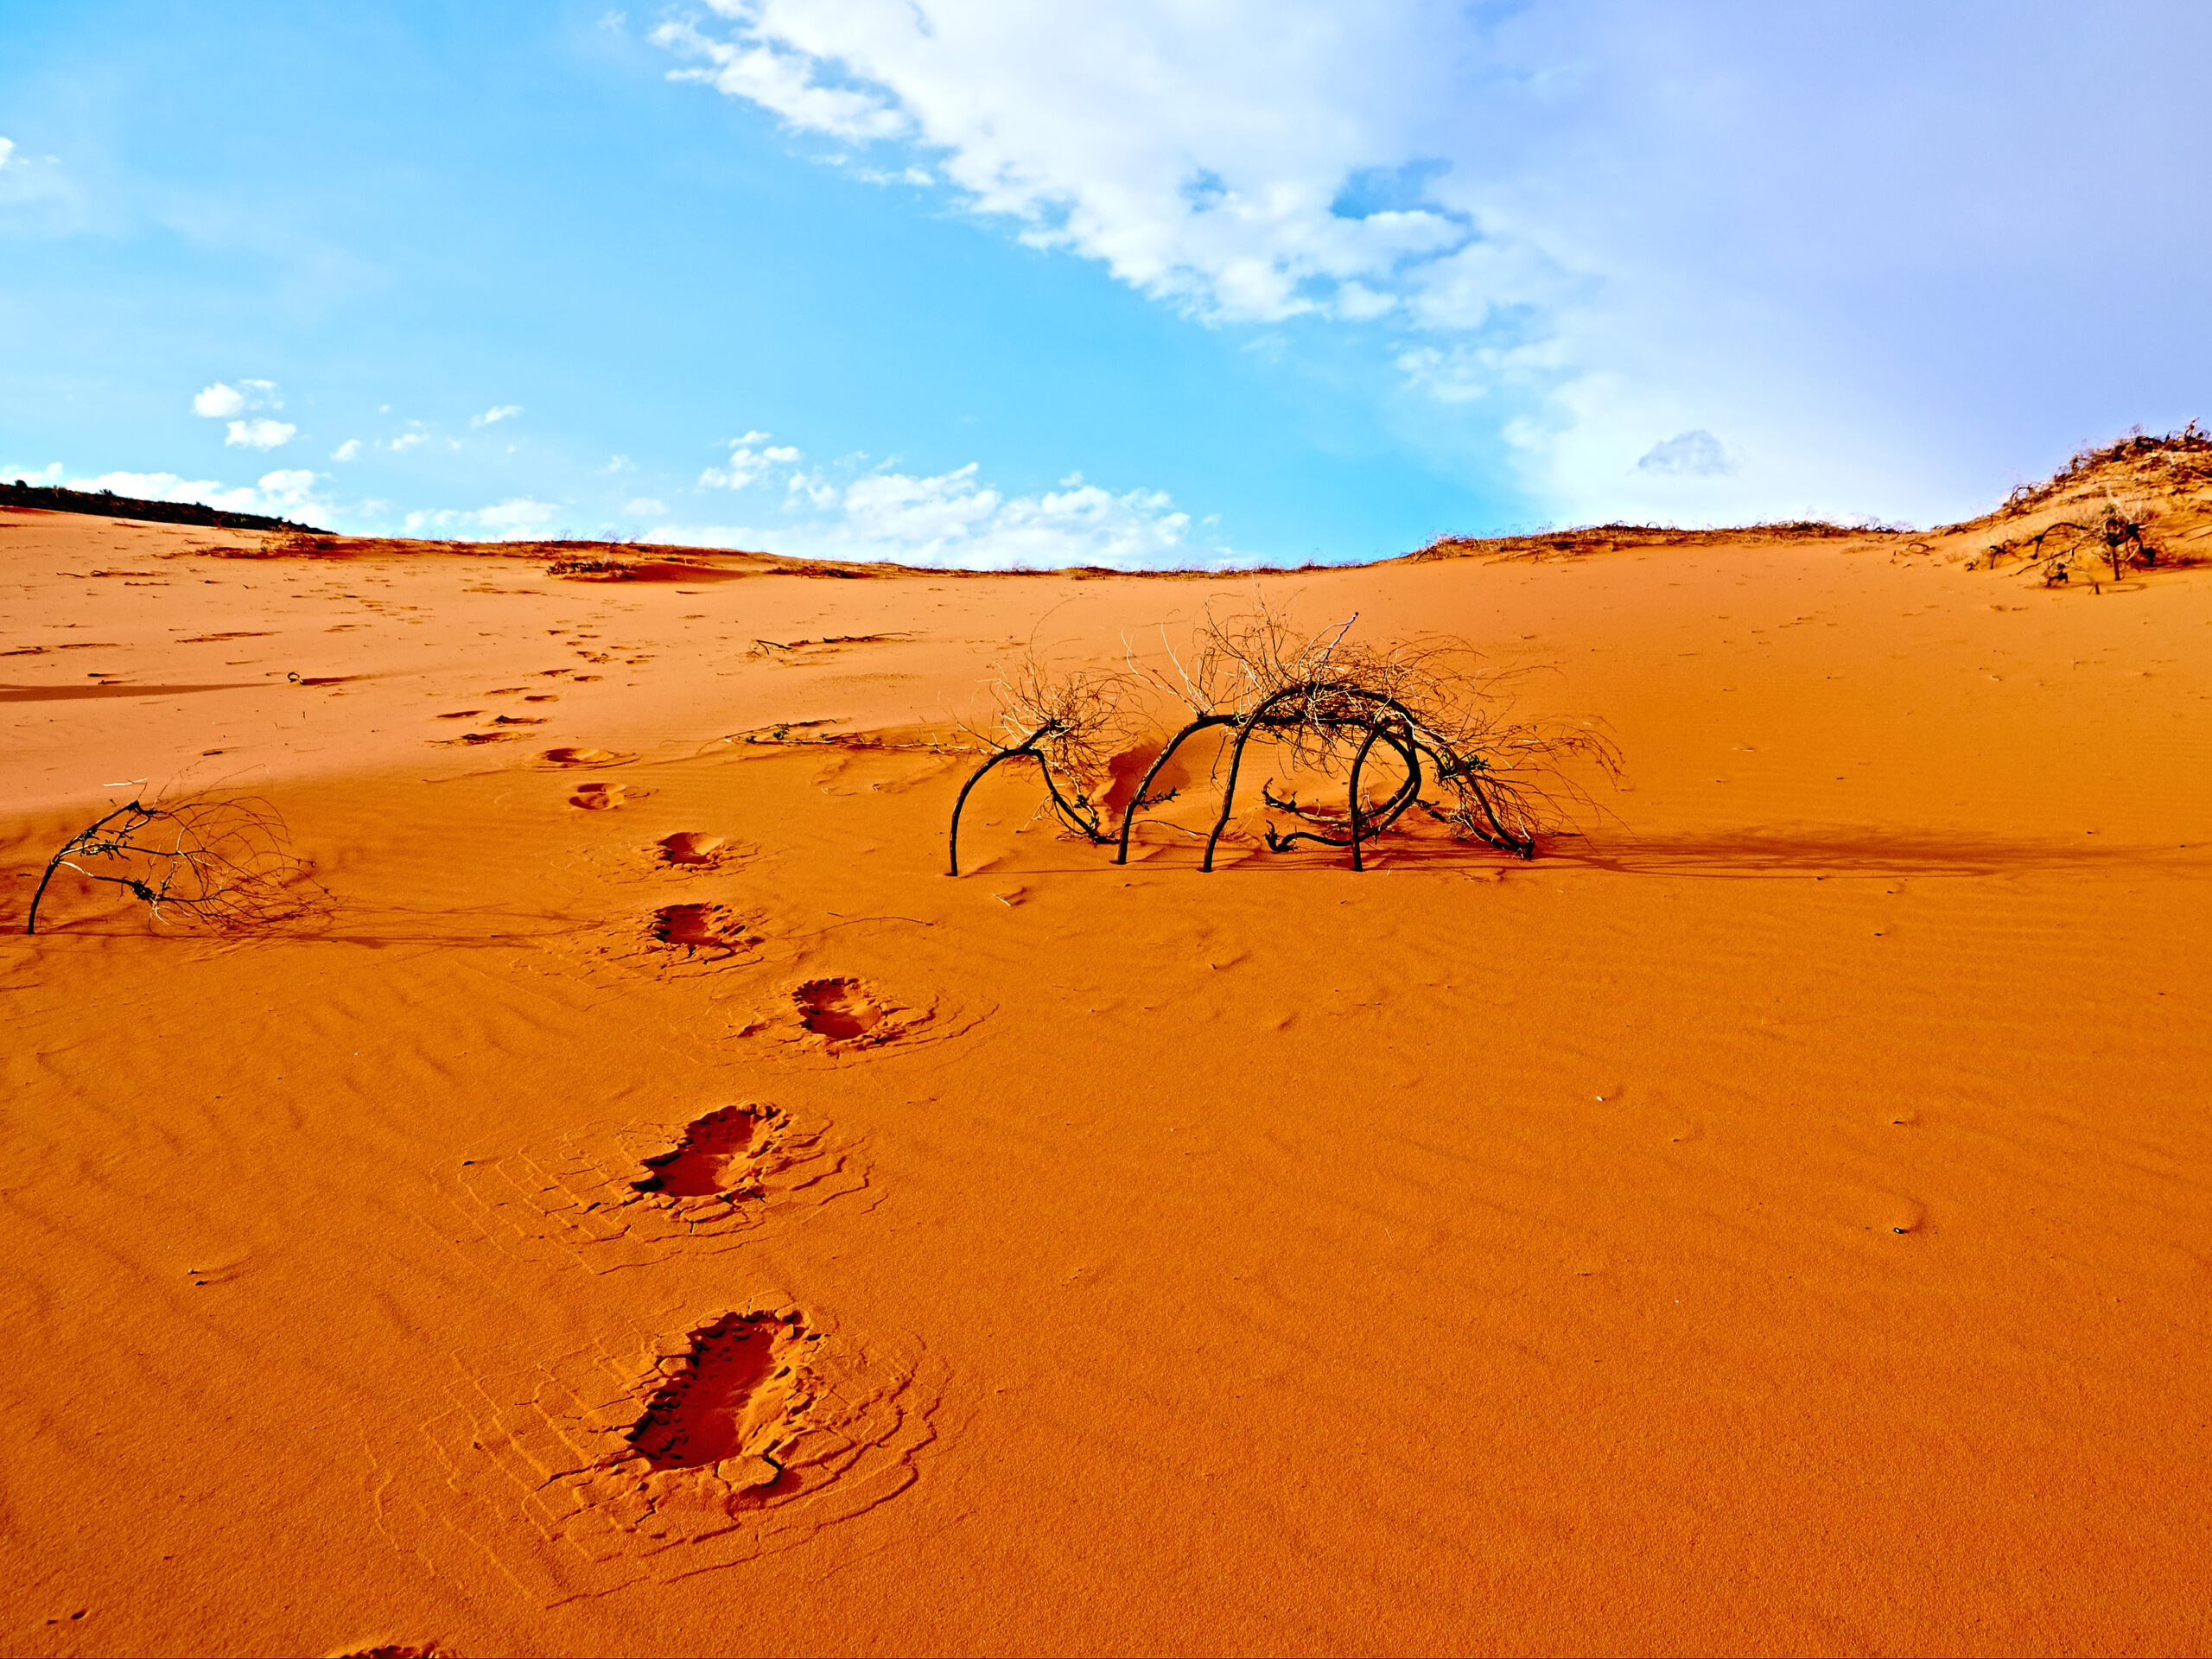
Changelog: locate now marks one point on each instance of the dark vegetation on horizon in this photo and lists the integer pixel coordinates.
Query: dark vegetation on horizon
(109, 505)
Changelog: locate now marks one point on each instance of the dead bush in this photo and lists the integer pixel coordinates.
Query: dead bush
(1333, 701)
(1340, 708)
(223, 864)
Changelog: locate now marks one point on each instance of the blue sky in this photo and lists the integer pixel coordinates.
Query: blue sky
(1138, 284)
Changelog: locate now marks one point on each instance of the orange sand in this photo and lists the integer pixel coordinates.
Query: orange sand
(1776, 1221)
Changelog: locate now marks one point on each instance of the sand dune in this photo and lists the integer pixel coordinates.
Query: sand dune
(652, 1208)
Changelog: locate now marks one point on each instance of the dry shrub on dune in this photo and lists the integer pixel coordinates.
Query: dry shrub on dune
(224, 864)
(2123, 507)
(1334, 707)
(2116, 533)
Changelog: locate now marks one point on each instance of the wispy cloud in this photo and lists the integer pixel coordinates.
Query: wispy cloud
(492, 417)
(220, 401)
(955, 519)
(260, 433)
(1577, 228)
(36, 194)
(347, 450)
(747, 463)
(519, 516)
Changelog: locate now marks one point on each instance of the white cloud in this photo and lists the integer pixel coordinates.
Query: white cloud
(46, 477)
(1694, 454)
(643, 506)
(260, 433)
(1204, 154)
(513, 517)
(347, 450)
(7, 149)
(954, 519)
(220, 402)
(520, 514)
(291, 486)
(407, 440)
(617, 464)
(783, 80)
(747, 463)
(216, 401)
(492, 417)
(1586, 224)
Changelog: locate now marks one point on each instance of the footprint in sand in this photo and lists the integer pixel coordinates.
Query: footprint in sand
(727, 1403)
(751, 1431)
(838, 1009)
(710, 1161)
(715, 929)
(580, 757)
(622, 1197)
(834, 1019)
(693, 850)
(598, 797)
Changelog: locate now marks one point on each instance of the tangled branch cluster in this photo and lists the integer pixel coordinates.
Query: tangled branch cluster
(226, 864)
(1337, 707)
(2116, 534)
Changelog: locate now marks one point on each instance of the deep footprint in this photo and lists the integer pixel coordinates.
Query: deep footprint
(701, 1165)
(837, 1009)
(702, 927)
(692, 848)
(722, 1402)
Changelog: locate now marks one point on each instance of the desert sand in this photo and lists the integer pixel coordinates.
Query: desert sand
(652, 1208)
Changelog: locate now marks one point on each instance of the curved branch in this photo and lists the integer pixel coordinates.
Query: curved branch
(1358, 761)
(30, 924)
(975, 778)
(1246, 727)
(1144, 789)
(1374, 823)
